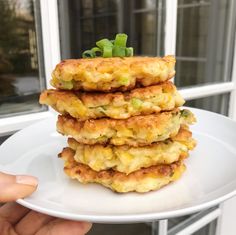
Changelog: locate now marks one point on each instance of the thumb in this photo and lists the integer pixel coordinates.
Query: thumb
(13, 187)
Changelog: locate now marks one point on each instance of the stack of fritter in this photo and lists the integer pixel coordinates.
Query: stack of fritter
(122, 116)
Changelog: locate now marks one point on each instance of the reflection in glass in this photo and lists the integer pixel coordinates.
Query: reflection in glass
(150, 4)
(203, 28)
(145, 36)
(19, 65)
(79, 32)
(189, 73)
(104, 18)
(216, 103)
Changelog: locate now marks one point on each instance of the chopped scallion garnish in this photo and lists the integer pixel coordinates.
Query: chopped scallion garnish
(120, 40)
(118, 51)
(104, 42)
(129, 51)
(97, 51)
(110, 48)
(107, 52)
(88, 54)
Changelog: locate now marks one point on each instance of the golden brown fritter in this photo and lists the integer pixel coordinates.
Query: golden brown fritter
(139, 101)
(127, 159)
(141, 181)
(134, 131)
(110, 74)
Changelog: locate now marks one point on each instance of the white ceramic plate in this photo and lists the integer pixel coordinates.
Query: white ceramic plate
(210, 177)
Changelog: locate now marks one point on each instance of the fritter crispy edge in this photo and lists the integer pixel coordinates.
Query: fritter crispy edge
(135, 131)
(127, 159)
(110, 74)
(143, 180)
(84, 105)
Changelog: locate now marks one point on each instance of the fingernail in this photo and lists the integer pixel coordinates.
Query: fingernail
(26, 179)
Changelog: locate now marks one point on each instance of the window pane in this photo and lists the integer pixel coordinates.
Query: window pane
(196, 2)
(150, 4)
(217, 103)
(20, 69)
(144, 35)
(86, 7)
(104, 18)
(79, 32)
(190, 73)
(104, 6)
(192, 31)
(147, 28)
(204, 42)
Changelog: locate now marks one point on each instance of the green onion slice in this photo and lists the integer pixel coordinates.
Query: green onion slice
(97, 51)
(104, 43)
(107, 52)
(110, 48)
(88, 54)
(136, 103)
(129, 51)
(120, 40)
(118, 51)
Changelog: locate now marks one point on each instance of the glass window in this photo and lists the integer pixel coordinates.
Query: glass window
(21, 71)
(201, 49)
(195, 2)
(97, 19)
(144, 33)
(188, 72)
(216, 103)
(143, 4)
(142, 20)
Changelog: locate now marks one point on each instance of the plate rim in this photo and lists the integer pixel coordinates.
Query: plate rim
(131, 218)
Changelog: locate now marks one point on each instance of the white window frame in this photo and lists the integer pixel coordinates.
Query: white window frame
(51, 48)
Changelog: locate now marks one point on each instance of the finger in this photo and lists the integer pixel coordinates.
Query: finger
(6, 228)
(13, 212)
(62, 227)
(12, 192)
(14, 187)
(33, 221)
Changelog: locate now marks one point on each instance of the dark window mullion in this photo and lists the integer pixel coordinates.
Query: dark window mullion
(93, 22)
(107, 20)
(158, 27)
(132, 24)
(98, 15)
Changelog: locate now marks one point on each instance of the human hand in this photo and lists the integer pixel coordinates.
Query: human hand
(18, 220)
